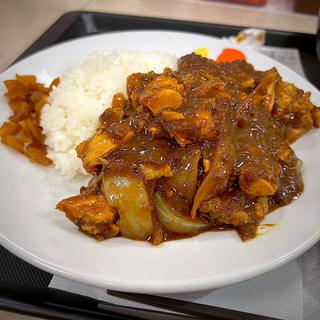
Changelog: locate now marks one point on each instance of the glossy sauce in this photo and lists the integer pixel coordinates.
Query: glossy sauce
(208, 143)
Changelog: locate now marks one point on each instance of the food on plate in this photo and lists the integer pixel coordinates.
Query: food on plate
(203, 52)
(230, 54)
(22, 131)
(201, 147)
(84, 92)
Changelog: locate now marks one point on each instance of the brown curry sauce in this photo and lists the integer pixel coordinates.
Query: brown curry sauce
(205, 147)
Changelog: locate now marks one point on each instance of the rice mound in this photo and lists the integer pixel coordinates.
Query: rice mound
(74, 107)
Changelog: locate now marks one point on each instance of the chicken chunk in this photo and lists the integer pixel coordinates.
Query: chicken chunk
(91, 151)
(115, 113)
(234, 209)
(204, 124)
(293, 111)
(209, 88)
(91, 214)
(155, 171)
(136, 84)
(285, 153)
(254, 185)
(163, 92)
(227, 210)
(259, 208)
(193, 127)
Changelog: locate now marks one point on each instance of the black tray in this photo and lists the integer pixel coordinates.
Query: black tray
(17, 273)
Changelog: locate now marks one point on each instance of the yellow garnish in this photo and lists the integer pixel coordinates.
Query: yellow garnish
(203, 52)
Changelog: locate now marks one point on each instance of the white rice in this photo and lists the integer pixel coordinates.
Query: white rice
(74, 107)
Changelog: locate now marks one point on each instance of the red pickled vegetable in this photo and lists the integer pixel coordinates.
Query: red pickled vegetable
(230, 54)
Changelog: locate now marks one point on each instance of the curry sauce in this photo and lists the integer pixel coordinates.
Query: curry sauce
(203, 147)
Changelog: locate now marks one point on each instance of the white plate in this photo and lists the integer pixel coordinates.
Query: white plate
(32, 229)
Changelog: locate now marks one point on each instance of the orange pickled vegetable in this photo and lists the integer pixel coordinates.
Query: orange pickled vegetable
(13, 142)
(230, 54)
(22, 131)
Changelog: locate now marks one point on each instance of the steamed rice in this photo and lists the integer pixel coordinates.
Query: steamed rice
(74, 107)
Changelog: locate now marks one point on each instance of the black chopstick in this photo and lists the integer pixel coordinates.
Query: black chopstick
(144, 313)
(49, 295)
(191, 308)
(80, 303)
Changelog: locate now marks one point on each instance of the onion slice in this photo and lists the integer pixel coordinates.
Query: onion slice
(174, 221)
(129, 197)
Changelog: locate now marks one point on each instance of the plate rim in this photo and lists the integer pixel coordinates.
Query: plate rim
(155, 287)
